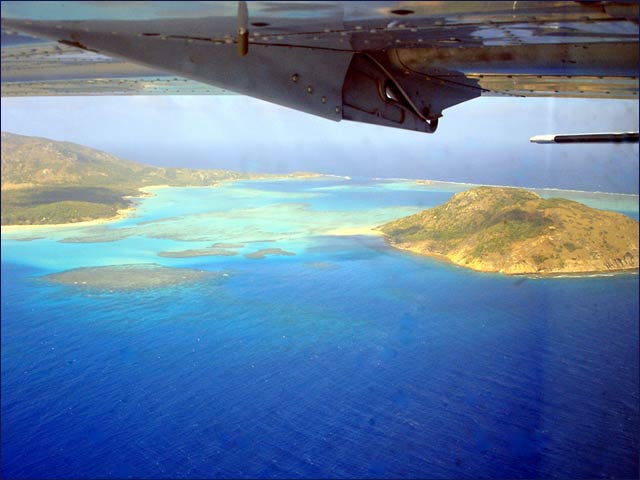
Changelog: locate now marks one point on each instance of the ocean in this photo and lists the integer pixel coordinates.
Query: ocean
(340, 358)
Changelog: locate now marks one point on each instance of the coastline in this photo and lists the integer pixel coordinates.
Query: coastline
(420, 181)
(145, 191)
(554, 274)
(349, 231)
(120, 215)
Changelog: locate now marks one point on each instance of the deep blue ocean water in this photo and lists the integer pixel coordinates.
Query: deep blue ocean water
(349, 359)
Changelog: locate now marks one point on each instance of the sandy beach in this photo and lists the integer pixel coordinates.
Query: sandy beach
(346, 231)
(146, 189)
(121, 215)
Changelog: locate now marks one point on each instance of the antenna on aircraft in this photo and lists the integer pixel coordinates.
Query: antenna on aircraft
(616, 137)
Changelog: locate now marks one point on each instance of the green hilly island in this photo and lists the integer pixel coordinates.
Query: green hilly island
(514, 231)
(50, 182)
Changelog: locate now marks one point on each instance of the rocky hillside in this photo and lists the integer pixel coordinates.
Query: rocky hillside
(514, 231)
(29, 161)
(45, 181)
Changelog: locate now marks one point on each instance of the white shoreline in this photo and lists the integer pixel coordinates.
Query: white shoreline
(121, 215)
(555, 189)
(348, 231)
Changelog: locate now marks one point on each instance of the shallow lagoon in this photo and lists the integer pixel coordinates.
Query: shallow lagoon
(347, 359)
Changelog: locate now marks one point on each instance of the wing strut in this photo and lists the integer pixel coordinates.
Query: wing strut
(243, 29)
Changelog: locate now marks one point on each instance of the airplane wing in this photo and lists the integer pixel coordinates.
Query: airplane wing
(397, 64)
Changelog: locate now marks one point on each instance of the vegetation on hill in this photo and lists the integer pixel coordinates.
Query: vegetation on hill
(51, 205)
(514, 231)
(48, 182)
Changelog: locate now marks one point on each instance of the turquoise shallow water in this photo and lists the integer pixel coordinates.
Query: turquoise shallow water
(347, 359)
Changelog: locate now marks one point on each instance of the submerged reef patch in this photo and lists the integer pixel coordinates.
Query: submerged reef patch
(227, 245)
(268, 251)
(28, 239)
(128, 277)
(202, 252)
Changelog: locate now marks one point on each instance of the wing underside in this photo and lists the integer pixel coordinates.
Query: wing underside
(392, 63)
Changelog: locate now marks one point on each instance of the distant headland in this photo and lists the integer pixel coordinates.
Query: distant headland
(47, 182)
(514, 231)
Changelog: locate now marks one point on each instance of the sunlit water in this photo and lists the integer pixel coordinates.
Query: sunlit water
(347, 359)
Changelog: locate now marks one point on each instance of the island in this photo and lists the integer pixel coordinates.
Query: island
(515, 231)
(48, 182)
